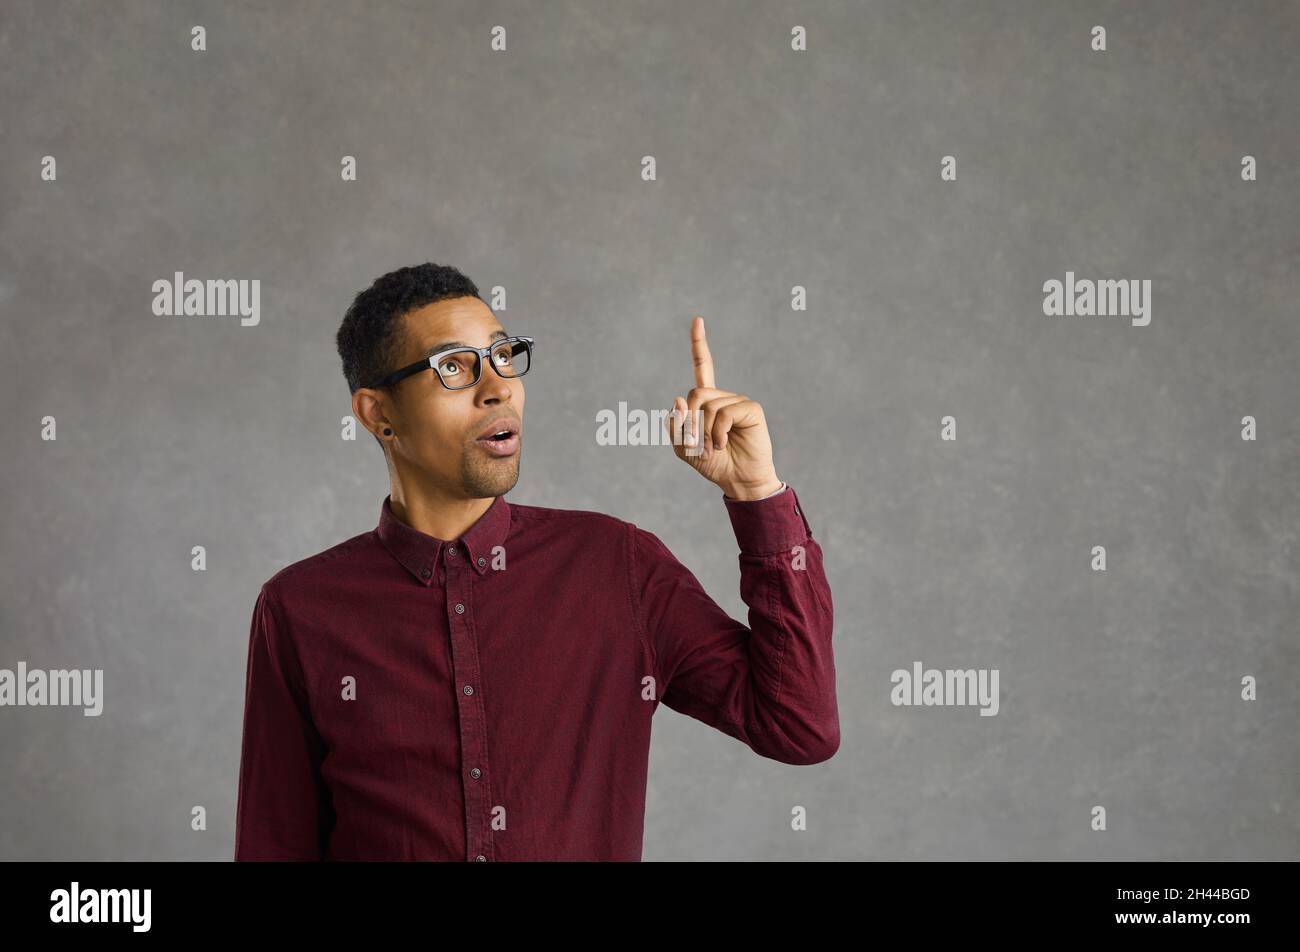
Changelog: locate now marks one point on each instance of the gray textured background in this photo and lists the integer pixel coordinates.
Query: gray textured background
(775, 169)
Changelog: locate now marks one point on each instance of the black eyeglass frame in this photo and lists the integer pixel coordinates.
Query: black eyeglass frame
(431, 363)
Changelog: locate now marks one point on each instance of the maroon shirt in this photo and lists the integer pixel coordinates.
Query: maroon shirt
(490, 698)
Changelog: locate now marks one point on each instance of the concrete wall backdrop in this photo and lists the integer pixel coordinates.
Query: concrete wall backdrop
(775, 168)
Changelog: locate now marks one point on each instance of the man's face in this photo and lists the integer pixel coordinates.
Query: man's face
(437, 431)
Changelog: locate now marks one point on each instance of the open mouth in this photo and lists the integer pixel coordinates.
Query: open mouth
(500, 441)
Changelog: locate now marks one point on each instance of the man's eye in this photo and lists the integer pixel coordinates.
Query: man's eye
(455, 367)
(503, 357)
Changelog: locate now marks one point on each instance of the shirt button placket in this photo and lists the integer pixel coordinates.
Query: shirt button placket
(473, 743)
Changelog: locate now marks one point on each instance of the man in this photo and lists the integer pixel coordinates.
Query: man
(475, 679)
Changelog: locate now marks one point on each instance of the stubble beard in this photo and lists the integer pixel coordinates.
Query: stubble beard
(481, 477)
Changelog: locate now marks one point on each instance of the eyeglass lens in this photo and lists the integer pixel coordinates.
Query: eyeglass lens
(461, 369)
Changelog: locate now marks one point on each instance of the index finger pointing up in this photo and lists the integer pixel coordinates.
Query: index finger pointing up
(700, 354)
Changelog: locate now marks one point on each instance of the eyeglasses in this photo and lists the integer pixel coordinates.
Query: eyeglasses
(461, 367)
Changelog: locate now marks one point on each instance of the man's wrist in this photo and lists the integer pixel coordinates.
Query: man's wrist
(748, 493)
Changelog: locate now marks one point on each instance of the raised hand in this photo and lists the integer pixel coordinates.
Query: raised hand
(722, 435)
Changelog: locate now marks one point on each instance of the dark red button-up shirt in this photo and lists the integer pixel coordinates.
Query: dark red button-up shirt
(489, 698)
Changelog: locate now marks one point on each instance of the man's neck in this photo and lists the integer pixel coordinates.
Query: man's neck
(435, 514)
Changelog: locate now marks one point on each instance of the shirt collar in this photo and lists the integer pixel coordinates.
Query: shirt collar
(419, 553)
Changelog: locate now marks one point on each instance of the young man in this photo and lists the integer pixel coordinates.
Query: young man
(475, 679)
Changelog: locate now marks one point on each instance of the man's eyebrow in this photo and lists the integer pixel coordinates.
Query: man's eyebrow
(448, 344)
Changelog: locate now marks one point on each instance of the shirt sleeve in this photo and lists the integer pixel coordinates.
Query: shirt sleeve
(770, 684)
(283, 808)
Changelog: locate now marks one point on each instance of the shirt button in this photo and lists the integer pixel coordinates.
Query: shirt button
(452, 550)
(482, 560)
(480, 858)
(425, 573)
(460, 609)
(475, 773)
(469, 689)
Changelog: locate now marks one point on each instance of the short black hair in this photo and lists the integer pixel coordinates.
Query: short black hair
(368, 340)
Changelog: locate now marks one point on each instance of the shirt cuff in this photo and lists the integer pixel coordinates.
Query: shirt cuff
(771, 525)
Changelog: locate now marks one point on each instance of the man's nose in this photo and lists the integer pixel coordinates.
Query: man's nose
(491, 386)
